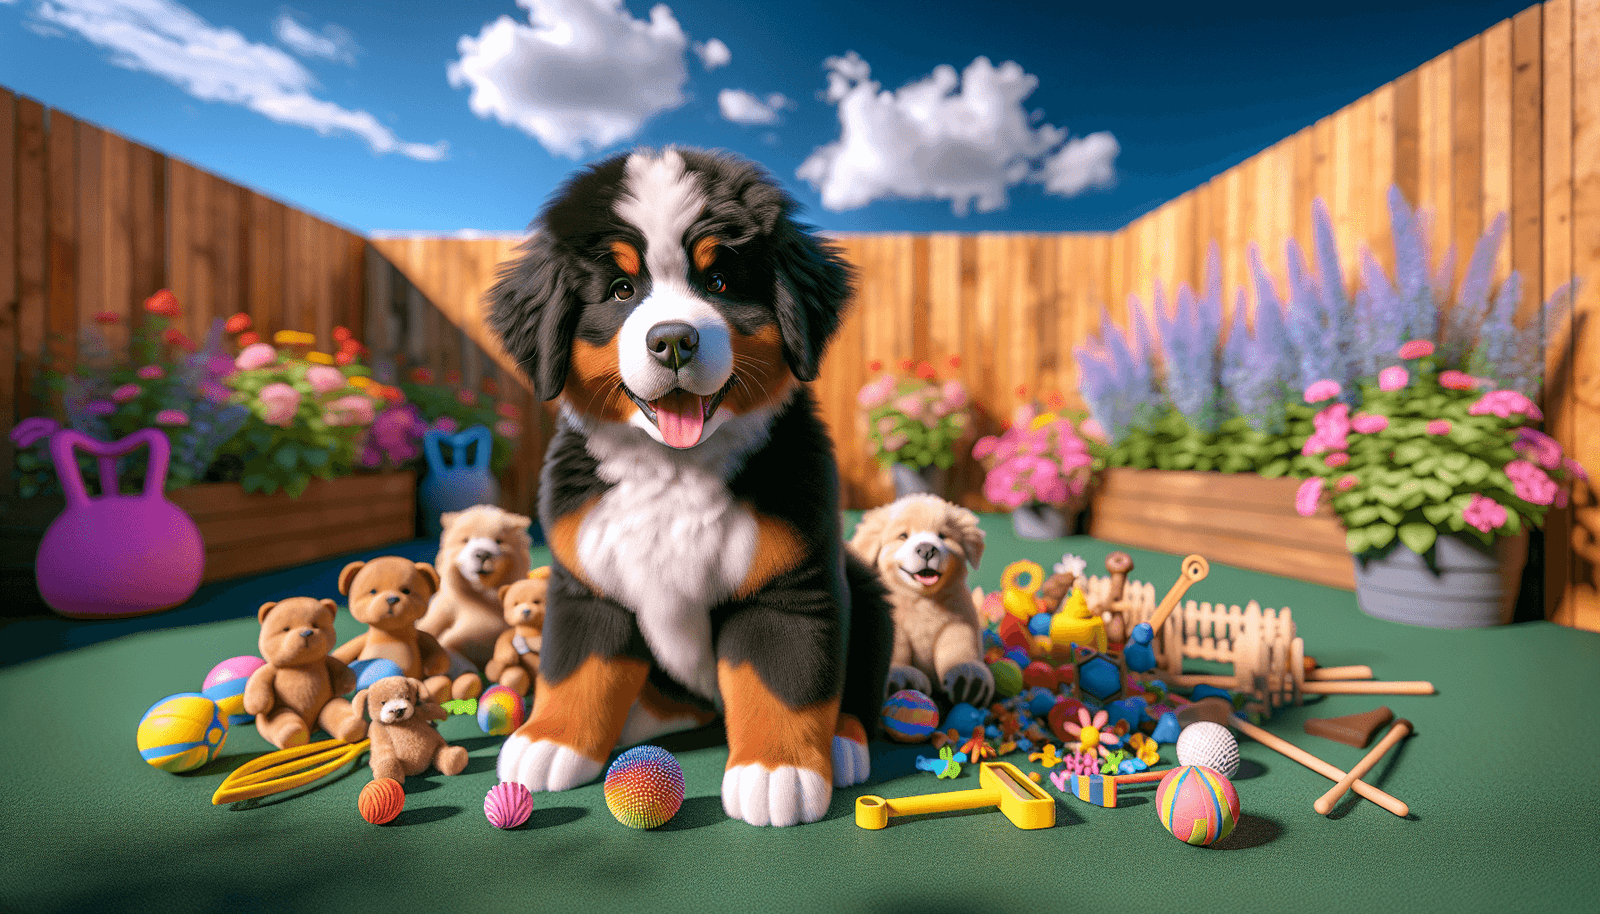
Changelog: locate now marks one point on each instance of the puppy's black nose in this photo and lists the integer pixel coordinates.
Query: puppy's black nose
(672, 343)
(391, 600)
(926, 551)
(482, 555)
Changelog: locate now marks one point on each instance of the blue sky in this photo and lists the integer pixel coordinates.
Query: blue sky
(435, 117)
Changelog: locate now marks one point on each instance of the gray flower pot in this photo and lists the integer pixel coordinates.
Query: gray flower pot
(1472, 590)
(1040, 522)
(910, 480)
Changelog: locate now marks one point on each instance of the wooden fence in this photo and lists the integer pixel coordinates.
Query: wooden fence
(91, 222)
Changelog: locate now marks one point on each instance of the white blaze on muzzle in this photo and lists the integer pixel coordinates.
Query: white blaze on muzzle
(395, 710)
(922, 558)
(682, 399)
(479, 558)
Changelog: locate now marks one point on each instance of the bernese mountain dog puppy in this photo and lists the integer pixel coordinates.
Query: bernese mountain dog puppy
(671, 304)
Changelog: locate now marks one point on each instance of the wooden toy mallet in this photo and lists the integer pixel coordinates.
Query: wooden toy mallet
(1398, 732)
(1193, 570)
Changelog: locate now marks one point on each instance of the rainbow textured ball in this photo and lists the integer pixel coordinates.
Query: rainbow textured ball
(225, 686)
(501, 710)
(909, 716)
(381, 800)
(1197, 804)
(644, 787)
(507, 805)
(1007, 677)
(182, 732)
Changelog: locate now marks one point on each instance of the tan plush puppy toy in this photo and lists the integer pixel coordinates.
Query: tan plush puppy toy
(298, 689)
(403, 741)
(515, 663)
(390, 594)
(481, 549)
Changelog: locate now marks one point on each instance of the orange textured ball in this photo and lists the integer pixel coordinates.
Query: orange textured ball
(381, 800)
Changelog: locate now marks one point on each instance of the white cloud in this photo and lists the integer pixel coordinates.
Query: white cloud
(332, 43)
(741, 107)
(218, 64)
(579, 76)
(713, 53)
(963, 138)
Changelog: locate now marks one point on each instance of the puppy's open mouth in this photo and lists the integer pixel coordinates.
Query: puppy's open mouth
(680, 416)
(927, 577)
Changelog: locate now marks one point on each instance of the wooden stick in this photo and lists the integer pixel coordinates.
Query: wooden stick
(1194, 568)
(1291, 751)
(1340, 672)
(1398, 732)
(1368, 688)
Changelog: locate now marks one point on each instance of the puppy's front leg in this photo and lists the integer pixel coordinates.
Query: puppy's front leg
(780, 757)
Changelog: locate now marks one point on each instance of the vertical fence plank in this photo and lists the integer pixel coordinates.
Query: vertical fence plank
(1376, 201)
(91, 253)
(1466, 153)
(149, 184)
(1584, 579)
(1407, 137)
(1556, 263)
(1496, 132)
(116, 235)
(62, 216)
(1526, 181)
(10, 364)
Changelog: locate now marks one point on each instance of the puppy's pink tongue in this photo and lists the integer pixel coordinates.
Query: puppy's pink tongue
(680, 416)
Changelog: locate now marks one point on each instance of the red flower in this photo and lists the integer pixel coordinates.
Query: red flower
(174, 337)
(905, 365)
(239, 323)
(490, 387)
(1056, 400)
(926, 372)
(163, 303)
(108, 318)
(955, 361)
(466, 397)
(248, 338)
(875, 365)
(452, 376)
(344, 358)
(422, 376)
(1022, 391)
(508, 410)
(341, 333)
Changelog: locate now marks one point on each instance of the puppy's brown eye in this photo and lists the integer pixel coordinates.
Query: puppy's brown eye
(715, 284)
(374, 590)
(903, 536)
(622, 289)
(405, 590)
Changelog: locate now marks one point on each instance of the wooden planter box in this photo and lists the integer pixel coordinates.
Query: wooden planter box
(248, 534)
(1237, 518)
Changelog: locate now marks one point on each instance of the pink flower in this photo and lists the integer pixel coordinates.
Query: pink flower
(506, 428)
(1439, 427)
(151, 372)
(279, 403)
(1092, 429)
(30, 430)
(1538, 446)
(1531, 483)
(1575, 468)
(125, 393)
(1336, 459)
(1306, 497)
(1325, 389)
(1416, 349)
(215, 392)
(1332, 427)
(1504, 403)
(1486, 514)
(911, 405)
(955, 395)
(100, 407)
(1369, 423)
(1347, 482)
(1457, 380)
(352, 410)
(1393, 378)
(172, 417)
(466, 397)
(508, 411)
(256, 355)
(895, 442)
(323, 378)
(876, 393)
(445, 424)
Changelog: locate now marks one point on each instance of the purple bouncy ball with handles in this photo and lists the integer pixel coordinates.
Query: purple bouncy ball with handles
(117, 555)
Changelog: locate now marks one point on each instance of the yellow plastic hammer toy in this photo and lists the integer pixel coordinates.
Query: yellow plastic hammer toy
(1020, 800)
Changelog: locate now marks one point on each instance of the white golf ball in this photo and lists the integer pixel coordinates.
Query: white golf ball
(1209, 744)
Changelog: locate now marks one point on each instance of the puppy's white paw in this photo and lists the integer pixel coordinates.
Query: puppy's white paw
(907, 677)
(544, 765)
(785, 796)
(851, 762)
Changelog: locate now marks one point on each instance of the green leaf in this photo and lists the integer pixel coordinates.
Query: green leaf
(1455, 462)
(1437, 514)
(1436, 490)
(1379, 535)
(1356, 540)
(1360, 517)
(1389, 515)
(1275, 469)
(1418, 537)
(1476, 472)
(1449, 477)
(287, 456)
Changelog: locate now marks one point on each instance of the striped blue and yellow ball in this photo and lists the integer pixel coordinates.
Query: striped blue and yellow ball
(225, 686)
(644, 787)
(182, 732)
(1197, 804)
(501, 710)
(909, 716)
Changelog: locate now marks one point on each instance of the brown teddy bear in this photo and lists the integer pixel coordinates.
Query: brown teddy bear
(481, 549)
(298, 689)
(390, 594)
(403, 741)
(515, 663)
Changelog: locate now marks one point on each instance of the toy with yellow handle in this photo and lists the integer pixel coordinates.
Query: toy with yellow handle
(1001, 784)
(1019, 599)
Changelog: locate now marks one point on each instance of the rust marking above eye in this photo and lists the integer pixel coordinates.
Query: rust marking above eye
(705, 251)
(627, 257)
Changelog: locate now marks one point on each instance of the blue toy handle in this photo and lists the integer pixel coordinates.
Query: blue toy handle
(155, 477)
(478, 434)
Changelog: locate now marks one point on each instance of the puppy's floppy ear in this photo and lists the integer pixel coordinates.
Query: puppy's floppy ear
(867, 541)
(967, 533)
(533, 308)
(812, 285)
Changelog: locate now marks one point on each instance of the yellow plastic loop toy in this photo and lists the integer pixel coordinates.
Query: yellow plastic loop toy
(1019, 599)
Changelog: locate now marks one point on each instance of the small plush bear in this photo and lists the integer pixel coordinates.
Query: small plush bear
(390, 594)
(403, 741)
(515, 663)
(298, 689)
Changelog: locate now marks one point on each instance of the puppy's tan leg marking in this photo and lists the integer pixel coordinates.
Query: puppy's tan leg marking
(779, 548)
(564, 541)
(780, 759)
(574, 725)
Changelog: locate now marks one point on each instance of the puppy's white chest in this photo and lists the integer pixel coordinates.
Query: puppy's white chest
(669, 542)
